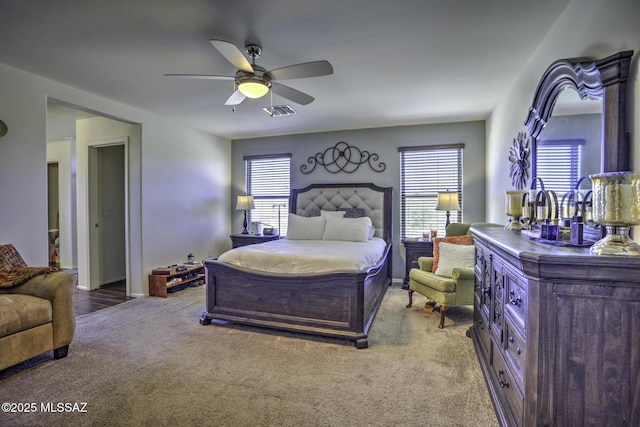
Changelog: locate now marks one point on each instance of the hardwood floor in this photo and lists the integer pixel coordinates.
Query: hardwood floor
(85, 302)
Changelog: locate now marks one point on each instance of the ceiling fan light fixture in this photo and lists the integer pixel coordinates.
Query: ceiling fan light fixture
(253, 88)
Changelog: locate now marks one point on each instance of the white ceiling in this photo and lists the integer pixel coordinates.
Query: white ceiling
(395, 62)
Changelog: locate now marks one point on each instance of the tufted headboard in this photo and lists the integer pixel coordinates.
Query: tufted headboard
(375, 201)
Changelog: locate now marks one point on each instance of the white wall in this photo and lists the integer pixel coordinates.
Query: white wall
(186, 194)
(384, 142)
(591, 28)
(183, 178)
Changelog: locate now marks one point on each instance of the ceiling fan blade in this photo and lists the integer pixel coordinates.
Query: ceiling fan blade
(200, 76)
(233, 55)
(235, 98)
(299, 71)
(292, 94)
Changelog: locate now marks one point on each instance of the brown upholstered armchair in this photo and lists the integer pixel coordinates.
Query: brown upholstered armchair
(36, 316)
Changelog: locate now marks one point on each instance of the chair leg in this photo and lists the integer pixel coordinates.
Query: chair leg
(443, 311)
(60, 353)
(410, 298)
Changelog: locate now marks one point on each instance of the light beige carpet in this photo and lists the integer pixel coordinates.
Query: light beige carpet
(148, 362)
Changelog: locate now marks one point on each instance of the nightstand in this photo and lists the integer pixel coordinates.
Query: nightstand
(415, 248)
(250, 239)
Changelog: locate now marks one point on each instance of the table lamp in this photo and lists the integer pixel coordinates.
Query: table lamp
(244, 204)
(448, 201)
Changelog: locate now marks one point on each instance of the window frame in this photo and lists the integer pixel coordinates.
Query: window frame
(432, 157)
(261, 201)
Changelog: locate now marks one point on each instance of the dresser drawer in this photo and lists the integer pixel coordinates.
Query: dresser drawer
(516, 296)
(515, 352)
(481, 327)
(507, 385)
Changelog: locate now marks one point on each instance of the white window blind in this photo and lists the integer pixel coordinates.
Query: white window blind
(558, 164)
(268, 181)
(426, 171)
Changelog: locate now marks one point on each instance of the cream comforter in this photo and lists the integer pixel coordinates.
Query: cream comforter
(307, 256)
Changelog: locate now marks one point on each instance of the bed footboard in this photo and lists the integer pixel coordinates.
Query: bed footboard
(338, 305)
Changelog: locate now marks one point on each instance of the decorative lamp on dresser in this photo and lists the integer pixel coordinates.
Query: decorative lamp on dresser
(557, 331)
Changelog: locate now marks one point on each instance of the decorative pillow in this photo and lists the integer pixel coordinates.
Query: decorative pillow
(453, 255)
(305, 228)
(353, 213)
(348, 229)
(459, 240)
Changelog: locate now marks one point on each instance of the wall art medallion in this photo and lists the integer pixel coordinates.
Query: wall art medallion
(343, 157)
(519, 158)
(3, 128)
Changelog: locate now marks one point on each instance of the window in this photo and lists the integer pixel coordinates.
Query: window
(268, 181)
(426, 171)
(558, 164)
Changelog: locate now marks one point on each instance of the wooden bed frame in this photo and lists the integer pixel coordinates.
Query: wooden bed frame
(339, 305)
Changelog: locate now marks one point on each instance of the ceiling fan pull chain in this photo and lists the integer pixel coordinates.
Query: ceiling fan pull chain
(271, 96)
(233, 108)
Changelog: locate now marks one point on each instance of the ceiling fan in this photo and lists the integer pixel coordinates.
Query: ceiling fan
(254, 81)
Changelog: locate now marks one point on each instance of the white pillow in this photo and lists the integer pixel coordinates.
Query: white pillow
(348, 229)
(305, 228)
(372, 232)
(452, 255)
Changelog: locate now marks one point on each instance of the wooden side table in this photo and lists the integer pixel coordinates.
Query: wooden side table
(238, 240)
(415, 248)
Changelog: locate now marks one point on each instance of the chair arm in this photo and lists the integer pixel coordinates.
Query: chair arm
(58, 288)
(425, 263)
(458, 273)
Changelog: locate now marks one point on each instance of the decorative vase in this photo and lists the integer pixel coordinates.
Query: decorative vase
(616, 205)
(513, 208)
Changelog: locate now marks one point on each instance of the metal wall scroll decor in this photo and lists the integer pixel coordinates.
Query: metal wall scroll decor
(343, 158)
(519, 158)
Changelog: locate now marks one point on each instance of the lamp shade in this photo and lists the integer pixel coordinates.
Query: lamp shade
(245, 203)
(253, 88)
(448, 201)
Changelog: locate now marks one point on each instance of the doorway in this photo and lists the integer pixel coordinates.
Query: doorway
(81, 140)
(108, 213)
(53, 215)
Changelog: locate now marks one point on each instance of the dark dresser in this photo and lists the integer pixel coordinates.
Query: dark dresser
(557, 332)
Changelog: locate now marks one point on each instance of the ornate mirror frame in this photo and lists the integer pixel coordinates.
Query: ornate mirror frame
(606, 79)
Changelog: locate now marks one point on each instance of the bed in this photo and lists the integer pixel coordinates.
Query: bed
(338, 304)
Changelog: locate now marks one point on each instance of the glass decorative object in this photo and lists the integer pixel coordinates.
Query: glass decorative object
(513, 208)
(616, 205)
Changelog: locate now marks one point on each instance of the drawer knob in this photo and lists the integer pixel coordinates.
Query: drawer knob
(512, 300)
(512, 340)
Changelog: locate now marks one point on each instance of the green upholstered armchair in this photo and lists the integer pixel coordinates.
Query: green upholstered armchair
(444, 291)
